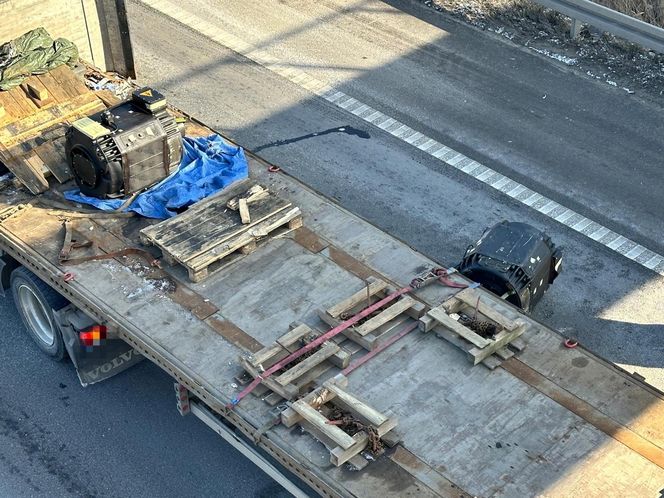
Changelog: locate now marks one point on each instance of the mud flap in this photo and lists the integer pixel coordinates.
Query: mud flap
(100, 362)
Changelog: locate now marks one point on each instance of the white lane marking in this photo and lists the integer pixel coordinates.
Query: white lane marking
(581, 224)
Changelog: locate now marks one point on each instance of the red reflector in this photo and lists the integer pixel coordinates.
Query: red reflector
(93, 336)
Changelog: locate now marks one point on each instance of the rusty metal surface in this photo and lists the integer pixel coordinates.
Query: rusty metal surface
(192, 301)
(427, 475)
(348, 262)
(309, 240)
(234, 334)
(586, 411)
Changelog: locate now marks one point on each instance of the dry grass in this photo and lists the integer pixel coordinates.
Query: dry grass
(650, 11)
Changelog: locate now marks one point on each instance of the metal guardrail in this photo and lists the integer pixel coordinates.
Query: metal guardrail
(610, 21)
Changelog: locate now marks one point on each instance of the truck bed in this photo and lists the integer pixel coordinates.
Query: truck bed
(548, 421)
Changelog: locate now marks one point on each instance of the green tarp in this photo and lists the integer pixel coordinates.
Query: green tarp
(35, 52)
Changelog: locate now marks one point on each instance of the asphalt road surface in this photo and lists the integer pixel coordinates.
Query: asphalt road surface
(588, 146)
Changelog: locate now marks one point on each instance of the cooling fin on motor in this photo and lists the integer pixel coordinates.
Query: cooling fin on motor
(125, 148)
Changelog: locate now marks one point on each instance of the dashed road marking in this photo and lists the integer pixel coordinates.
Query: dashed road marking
(568, 217)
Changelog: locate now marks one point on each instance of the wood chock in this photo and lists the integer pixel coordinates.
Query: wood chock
(478, 324)
(345, 424)
(219, 228)
(378, 327)
(295, 377)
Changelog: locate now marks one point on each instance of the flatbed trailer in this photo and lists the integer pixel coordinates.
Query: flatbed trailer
(539, 419)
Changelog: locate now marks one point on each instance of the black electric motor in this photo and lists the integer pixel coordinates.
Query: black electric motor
(125, 148)
(515, 261)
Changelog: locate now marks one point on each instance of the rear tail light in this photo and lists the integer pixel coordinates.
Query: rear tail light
(92, 336)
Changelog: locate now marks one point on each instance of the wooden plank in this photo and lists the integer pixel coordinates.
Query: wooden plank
(53, 88)
(356, 406)
(252, 195)
(367, 342)
(444, 319)
(341, 358)
(197, 231)
(8, 104)
(339, 456)
(244, 241)
(326, 350)
(203, 211)
(294, 335)
(502, 339)
(28, 170)
(470, 297)
(375, 286)
(108, 98)
(53, 156)
(385, 316)
(312, 375)
(69, 82)
(266, 354)
(280, 349)
(316, 399)
(41, 119)
(35, 88)
(319, 422)
(262, 229)
(286, 392)
(244, 212)
(205, 240)
(23, 102)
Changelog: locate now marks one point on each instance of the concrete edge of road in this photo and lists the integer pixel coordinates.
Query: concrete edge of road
(614, 241)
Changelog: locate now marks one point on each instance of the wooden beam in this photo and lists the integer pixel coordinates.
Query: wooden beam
(316, 399)
(375, 286)
(355, 406)
(326, 350)
(471, 296)
(244, 212)
(294, 335)
(339, 456)
(445, 320)
(319, 422)
(502, 339)
(385, 316)
(254, 194)
(286, 392)
(280, 349)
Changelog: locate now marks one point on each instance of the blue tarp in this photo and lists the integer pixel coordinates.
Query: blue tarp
(208, 165)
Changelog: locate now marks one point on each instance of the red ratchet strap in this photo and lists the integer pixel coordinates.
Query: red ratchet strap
(361, 361)
(317, 342)
(443, 278)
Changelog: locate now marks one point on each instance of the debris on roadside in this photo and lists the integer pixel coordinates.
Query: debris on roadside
(601, 56)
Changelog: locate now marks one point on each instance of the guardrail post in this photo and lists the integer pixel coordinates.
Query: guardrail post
(575, 28)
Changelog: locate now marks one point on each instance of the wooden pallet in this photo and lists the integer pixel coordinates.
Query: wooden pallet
(33, 119)
(310, 413)
(290, 383)
(210, 231)
(372, 332)
(443, 320)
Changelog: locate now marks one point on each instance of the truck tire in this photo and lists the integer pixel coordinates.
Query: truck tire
(35, 302)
